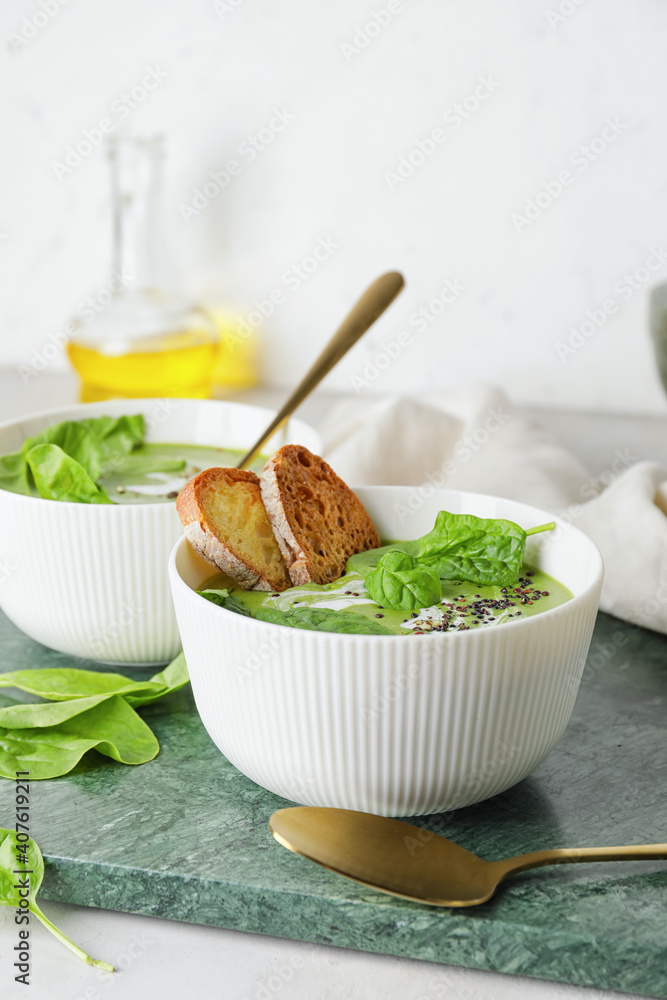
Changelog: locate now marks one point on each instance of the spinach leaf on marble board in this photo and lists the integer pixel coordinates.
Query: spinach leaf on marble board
(86, 710)
(65, 683)
(42, 714)
(21, 869)
(172, 678)
(111, 726)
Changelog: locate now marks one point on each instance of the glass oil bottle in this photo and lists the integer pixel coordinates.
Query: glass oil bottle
(146, 341)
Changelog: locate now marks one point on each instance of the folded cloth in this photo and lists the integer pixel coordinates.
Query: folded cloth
(627, 523)
(477, 440)
(474, 440)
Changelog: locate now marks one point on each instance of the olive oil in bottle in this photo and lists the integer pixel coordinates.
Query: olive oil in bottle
(143, 340)
(238, 352)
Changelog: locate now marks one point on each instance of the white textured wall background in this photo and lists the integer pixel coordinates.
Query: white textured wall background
(229, 63)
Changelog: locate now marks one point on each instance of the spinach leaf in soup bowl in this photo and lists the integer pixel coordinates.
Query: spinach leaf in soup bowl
(384, 723)
(65, 460)
(87, 576)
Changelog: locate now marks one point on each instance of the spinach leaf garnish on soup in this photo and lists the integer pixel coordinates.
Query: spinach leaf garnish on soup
(466, 573)
(105, 460)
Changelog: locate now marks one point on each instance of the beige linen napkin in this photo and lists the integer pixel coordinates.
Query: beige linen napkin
(627, 522)
(477, 440)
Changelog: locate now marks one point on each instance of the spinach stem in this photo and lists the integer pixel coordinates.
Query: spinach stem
(541, 527)
(79, 952)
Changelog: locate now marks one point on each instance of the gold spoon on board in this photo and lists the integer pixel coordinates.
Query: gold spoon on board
(416, 864)
(377, 297)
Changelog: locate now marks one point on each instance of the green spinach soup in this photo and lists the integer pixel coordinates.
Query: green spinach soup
(154, 473)
(346, 605)
(105, 460)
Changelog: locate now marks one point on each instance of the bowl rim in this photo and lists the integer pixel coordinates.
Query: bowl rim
(176, 581)
(164, 504)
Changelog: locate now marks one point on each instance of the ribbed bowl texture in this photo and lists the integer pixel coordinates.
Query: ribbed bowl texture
(91, 579)
(397, 726)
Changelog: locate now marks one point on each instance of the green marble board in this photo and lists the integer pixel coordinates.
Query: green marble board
(185, 837)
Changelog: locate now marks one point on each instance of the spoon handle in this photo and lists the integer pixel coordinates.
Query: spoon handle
(573, 855)
(377, 297)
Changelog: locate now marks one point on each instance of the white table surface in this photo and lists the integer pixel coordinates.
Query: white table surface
(167, 960)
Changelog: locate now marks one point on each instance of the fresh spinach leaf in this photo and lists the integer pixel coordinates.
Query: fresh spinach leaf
(14, 473)
(66, 683)
(116, 436)
(21, 867)
(461, 547)
(322, 620)
(172, 678)
(112, 727)
(86, 709)
(363, 562)
(41, 714)
(400, 583)
(57, 476)
(63, 683)
(75, 439)
(464, 547)
(140, 464)
(225, 600)
(93, 444)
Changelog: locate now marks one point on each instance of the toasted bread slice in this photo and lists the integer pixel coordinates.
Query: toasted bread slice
(317, 519)
(225, 521)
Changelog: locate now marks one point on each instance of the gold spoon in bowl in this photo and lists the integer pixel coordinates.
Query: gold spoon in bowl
(377, 297)
(416, 864)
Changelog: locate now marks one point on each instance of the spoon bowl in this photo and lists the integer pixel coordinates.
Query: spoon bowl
(416, 864)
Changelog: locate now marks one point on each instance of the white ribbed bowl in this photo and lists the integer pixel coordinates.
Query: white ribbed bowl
(91, 579)
(398, 726)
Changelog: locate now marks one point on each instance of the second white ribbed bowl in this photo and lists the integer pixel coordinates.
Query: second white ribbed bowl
(398, 726)
(90, 579)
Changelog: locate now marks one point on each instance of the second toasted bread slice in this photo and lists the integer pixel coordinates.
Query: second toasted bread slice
(318, 521)
(225, 521)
